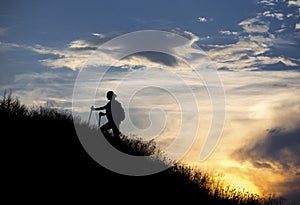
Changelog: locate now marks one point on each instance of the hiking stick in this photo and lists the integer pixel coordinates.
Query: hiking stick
(90, 116)
(99, 120)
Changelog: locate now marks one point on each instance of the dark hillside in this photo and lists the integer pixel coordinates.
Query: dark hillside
(45, 162)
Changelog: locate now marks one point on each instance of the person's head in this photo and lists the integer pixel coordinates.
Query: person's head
(110, 95)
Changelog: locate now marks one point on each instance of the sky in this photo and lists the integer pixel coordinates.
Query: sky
(247, 48)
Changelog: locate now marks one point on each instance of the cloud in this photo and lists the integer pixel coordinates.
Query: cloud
(98, 35)
(4, 30)
(287, 12)
(4, 47)
(85, 53)
(282, 28)
(248, 53)
(277, 150)
(278, 16)
(255, 25)
(227, 32)
(72, 56)
(254, 46)
(244, 54)
(37, 88)
(267, 2)
(202, 19)
(294, 3)
(82, 44)
(277, 153)
(189, 35)
(256, 101)
(158, 58)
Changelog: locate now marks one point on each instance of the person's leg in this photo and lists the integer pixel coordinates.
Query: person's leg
(116, 130)
(99, 118)
(105, 127)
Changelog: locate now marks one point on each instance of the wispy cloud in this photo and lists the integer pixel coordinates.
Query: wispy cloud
(253, 46)
(202, 19)
(5, 30)
(294, 3)
(98, 35)
(8, 46)
(228, 32)
(72, 56)
(255, 25)
(279, 16)
(2, 31)
(247, 53)
(84, 52)
(44, 88)
(268, 2)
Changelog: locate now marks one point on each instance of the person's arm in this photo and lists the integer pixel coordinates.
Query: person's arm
(99, 108)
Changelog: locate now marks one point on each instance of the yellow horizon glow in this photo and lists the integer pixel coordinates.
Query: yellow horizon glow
(241, 184)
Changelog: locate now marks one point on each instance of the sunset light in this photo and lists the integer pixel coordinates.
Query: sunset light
(132, 89)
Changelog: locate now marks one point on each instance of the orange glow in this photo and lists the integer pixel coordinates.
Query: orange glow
(241, 184)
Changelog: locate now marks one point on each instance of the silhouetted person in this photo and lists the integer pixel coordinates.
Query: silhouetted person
(114, 114)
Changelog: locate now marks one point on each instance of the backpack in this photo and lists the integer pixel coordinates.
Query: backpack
(118, 112)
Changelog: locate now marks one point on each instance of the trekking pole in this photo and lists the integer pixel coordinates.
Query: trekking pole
(99, 120)
(90, 116)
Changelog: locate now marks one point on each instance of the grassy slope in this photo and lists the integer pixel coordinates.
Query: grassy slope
(45, 160)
